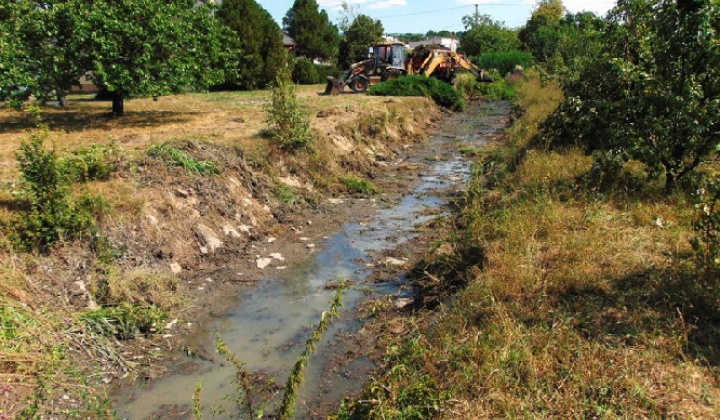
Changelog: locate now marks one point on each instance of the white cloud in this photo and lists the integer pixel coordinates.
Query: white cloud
(387, 4)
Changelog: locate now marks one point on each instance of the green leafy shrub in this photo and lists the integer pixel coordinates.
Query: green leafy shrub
(305, 72)
(499, 89)
(288, 120)
(359, 185)
(93, 163)
(442, 93)
(173, 156)
(51, 215)
(504, 62)
(325, 71)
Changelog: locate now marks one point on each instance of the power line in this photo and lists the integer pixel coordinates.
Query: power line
(425, 12)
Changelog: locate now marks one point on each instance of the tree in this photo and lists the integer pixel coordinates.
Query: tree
(39, 49)
(148, 48)
(486, 35)
(540, 34)
(362, 33)
(257, 42)
(651, 92)
(315, 35)
(133, 47)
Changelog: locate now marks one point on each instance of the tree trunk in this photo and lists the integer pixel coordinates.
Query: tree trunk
(670, 181)
(62, 100)
(118, 104)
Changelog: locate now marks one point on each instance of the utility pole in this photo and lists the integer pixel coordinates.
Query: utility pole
(477, 15)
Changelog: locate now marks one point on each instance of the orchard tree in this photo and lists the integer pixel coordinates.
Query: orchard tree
(152, 48)
(315, 35)
(651, 91)
(541, 34)
(257, 41)
(361, 34)
(486, 35)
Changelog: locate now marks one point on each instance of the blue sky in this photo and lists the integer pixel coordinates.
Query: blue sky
(420, 16)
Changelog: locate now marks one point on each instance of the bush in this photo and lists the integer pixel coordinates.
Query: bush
(499, 89)
(504, 62)
(51, 215)
(305, 72)
(289, 122)
(93, 163)
(325, 71)
(442, 93)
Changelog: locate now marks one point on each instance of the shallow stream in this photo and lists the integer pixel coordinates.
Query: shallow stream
(270, 321)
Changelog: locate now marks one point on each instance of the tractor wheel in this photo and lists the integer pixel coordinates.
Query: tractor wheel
(359, 85)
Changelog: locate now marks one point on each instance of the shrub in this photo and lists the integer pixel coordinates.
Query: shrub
(499, 89)
(442, 93)
(93, 163)
(325, 71)
(51, 215)
(305, 72)
(289, 122)
(504, 62)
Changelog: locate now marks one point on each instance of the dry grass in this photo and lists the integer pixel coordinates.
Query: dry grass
(585, 304)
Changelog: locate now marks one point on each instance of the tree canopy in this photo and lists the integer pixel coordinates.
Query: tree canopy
(310, 27)
(650, 91)
(540, 34)
(133, 47)
(483, 34)
(257, 43)
(362, 33)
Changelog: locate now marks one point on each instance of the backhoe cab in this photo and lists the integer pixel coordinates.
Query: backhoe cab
(389, 60)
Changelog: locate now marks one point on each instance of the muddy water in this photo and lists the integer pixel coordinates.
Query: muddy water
(270, 322)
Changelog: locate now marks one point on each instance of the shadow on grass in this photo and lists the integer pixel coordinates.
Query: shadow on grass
(72, 121)
(675, 304)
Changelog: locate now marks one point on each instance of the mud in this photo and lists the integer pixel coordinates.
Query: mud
(264, 300)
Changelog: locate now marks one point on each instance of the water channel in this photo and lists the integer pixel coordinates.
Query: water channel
(270, 321)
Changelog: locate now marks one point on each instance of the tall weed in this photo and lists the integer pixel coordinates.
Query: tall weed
(289, 122)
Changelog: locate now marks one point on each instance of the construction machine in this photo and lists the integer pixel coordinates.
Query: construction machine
(389, 60)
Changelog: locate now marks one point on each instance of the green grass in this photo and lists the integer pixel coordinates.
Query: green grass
(577, 302)
(357, 185)
(174, 156)
(285, 194)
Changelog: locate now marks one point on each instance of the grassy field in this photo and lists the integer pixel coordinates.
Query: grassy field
(587, 302)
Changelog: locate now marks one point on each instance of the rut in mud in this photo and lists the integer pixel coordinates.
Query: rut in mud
(267, 324)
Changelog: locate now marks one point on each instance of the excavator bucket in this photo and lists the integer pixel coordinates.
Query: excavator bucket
(334, 86)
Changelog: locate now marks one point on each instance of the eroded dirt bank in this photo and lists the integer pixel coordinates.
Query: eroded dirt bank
(369, 242)
(110, 307)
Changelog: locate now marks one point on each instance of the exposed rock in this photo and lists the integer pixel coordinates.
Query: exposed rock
(231, 231)
(175, 267)
(263, 262)
(208, 236)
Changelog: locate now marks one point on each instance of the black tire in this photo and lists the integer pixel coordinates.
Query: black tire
(359, 85)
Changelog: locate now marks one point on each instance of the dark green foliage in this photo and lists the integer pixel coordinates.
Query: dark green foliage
(500, 89)
(651, 90)
(541, 33)
(257, 42)
(442, 93)
(325, 71)
(310, 27)
(504, 62)
(484, 35)
(288, 120)
(362, 33)
(305, 72)
(95, 163)
(51, 214)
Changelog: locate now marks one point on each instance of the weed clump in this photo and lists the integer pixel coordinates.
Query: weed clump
(288, 120)
(504, 62)
(174, 156)
(359, 185)
(442, 93)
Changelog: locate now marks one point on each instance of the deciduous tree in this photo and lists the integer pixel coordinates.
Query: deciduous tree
(310, 27)
(361, 34)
